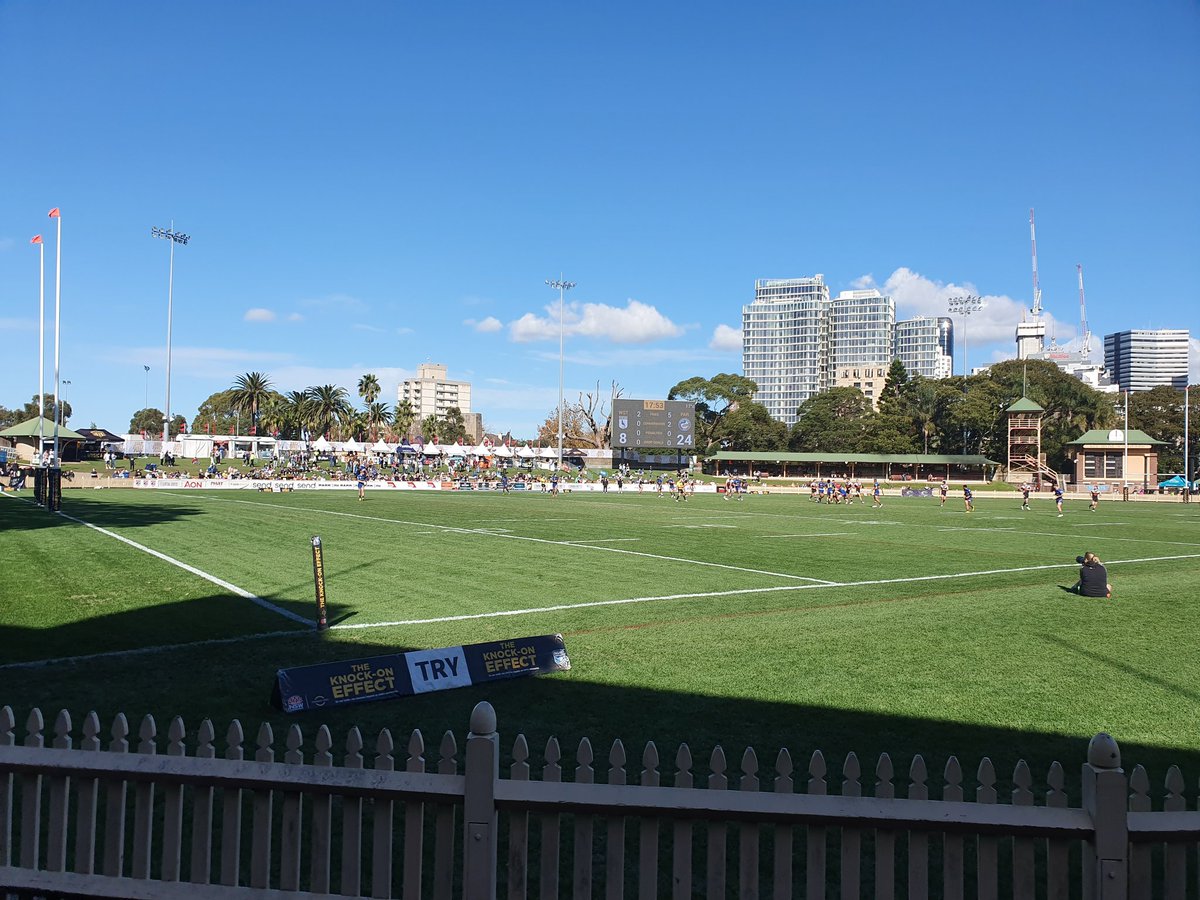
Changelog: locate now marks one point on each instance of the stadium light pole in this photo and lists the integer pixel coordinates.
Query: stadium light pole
(964, 305)
(173, 237)
(563, 287)
(41, 245)
(57, 216)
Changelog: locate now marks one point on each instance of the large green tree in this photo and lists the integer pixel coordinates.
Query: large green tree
(216, 414)
(147, 420)
(403, 417)
(833, 420)
(715, 398)
(750, 429)
(1159, 413)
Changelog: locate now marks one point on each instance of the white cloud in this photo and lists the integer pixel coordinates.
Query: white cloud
(17, 324)
(630, 358)
(404, 330)
(295, 317)
(484, 326)
(726, 338)
(363, 326)
(916, 295)
(637, 323)
(202, 362)
(258, 314)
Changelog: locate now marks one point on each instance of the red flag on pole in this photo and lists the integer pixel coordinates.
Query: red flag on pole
(254, 429)
(36, 239)
(182, 427)
(231, 429)
(54, 214)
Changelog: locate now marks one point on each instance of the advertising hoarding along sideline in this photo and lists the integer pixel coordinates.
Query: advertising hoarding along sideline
(396, 675)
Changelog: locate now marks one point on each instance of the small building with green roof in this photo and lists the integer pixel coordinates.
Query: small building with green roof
(1115, 458)
(23, 437)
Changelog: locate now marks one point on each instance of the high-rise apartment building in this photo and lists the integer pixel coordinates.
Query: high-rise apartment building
(925, 345)
(1141, 360)
(785, 342)
(861, 324)
(431, 394)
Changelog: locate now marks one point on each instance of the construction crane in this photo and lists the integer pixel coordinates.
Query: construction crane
(1086, 348)
(1037, 290)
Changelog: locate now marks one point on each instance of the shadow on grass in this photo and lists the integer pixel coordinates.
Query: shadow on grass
(21, 513)
(222, 675)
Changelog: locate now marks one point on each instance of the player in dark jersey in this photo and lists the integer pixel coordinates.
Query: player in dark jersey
(876, 496)
(1058, 501)
(968, 499)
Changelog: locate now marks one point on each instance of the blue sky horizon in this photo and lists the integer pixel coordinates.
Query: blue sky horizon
(373, 187)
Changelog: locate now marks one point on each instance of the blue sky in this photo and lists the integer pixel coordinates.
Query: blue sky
(370, 186)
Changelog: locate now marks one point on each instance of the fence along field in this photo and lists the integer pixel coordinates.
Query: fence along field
(362, 826)
(906, 621)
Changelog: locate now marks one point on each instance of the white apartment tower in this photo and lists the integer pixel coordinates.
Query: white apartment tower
(1141, 360)
(785, 342)
(431, 394)
(860, 329)
(925, 345)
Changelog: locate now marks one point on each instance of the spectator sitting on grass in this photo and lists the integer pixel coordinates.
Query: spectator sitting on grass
(1093, 577)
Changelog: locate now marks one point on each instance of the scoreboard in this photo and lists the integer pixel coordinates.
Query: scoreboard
(654, 423)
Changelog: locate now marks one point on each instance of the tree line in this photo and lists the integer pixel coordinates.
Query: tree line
(252, 405)
(946, 416)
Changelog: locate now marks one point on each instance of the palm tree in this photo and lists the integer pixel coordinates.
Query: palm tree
(377, 414)
(328, 406)
(249, 393)
(403, 418)
(298, 413)
(368, 388)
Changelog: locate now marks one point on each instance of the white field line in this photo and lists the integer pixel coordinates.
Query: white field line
(521, 537)
(139, 651)
(819, 534)
(1098, 524)
(604, 541)
(232, 588)
(767, 590)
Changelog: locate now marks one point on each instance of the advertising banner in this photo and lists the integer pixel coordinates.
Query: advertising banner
(396, 675)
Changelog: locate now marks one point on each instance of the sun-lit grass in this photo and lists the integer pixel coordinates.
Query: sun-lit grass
(772, 621)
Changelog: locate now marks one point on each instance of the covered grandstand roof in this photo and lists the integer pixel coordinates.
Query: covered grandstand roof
(899, 459)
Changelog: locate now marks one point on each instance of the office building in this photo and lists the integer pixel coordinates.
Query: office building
(431, 394)
(1141, 360)
(785, 342)
(925, 345)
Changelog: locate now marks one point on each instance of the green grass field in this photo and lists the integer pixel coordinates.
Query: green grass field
(771, 622)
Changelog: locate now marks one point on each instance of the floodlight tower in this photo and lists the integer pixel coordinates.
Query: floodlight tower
(964, 306)
(563, 287)
(173, 237)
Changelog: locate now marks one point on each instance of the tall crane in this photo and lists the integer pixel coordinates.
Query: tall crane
(1086, 348)
(1037, 290)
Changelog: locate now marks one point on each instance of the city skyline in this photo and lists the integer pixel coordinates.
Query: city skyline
(388, 208)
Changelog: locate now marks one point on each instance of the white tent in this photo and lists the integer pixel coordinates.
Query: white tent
(526, 452)
(456, 450)
(433, 450)
(352, 446)
(503, 450)
(321, 445)
(483, 450)
(380, 447)
(548, 453)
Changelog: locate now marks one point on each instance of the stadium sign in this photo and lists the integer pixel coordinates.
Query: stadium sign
(396, 675)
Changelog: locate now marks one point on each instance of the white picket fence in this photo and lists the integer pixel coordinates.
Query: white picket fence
(153, 821)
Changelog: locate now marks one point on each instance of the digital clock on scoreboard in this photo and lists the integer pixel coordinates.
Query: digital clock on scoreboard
(654, 423)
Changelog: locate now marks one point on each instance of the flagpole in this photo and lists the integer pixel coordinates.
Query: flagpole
(1187, 488)
(41, 348)
(1125, 434)
(57, 310)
